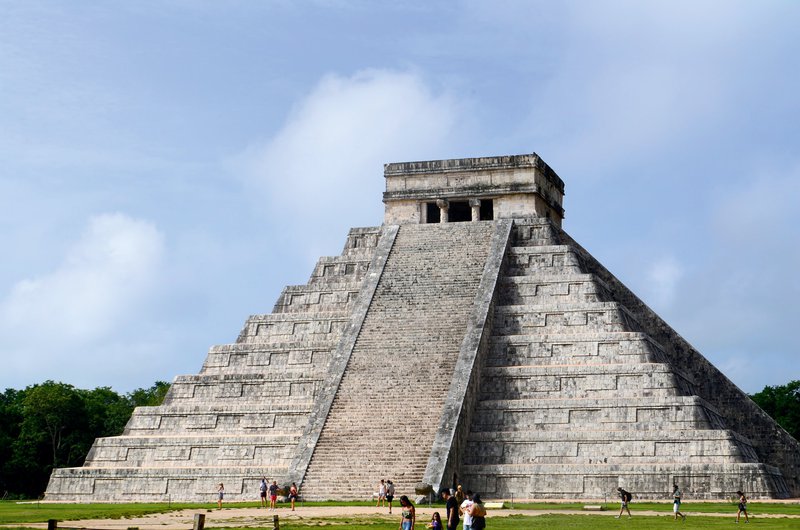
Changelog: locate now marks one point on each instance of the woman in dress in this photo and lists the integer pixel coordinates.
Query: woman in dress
(409, 516)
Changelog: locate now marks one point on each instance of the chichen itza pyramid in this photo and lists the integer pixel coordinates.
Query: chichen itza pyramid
(467, 338)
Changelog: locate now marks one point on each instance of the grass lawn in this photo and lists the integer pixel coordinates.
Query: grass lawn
(11, 512)
(688, 506)
(20, 514)
(518, 522)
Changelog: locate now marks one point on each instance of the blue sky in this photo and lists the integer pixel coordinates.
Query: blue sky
(167, 167)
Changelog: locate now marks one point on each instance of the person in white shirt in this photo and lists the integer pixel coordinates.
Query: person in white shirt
(464, 509)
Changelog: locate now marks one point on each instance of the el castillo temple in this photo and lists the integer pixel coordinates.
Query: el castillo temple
(467, 339)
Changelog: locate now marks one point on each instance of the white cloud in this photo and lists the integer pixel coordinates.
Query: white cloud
(327, 159)
(60, 320)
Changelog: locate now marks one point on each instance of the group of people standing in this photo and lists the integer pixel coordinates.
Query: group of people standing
(264, 489)
(458, 504)
(385, 494)
(272, 489)
(463, 504)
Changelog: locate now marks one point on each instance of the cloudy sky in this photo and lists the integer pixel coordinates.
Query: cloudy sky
(167, 167)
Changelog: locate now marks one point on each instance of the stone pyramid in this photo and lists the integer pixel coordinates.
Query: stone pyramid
(468, 339)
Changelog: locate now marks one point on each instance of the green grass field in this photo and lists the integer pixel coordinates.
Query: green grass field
(12, 513)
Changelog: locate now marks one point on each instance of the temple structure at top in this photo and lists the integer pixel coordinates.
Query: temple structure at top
(468, 339)
(472, 189)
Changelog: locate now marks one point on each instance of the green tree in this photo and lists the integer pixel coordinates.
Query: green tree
(54, 415)
(54, 425)
(149, 397)
(107, 412)
(10, 425)
(783, 404)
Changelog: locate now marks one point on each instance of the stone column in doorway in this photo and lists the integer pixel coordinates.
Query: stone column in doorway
(476, 209)
(444, 207)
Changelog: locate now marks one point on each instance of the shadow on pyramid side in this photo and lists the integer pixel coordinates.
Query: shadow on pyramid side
(469, 339)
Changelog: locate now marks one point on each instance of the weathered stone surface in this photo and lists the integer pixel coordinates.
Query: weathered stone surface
(495, 351)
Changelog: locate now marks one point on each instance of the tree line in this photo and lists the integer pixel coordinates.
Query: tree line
(52, 425)
(783, 404)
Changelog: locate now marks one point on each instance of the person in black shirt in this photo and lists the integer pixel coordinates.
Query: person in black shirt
(452, 509)
(625, 497)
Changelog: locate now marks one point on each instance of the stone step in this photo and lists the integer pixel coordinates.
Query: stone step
(538, 290)
(644, 480)
(317, 298)
(281, 416)
(640, 413)
(524, 261)
(187, 484)
(288, 386)
(567, 318)
(525, 234)
(233, 451)
(572, 348)
(309, 357)
(288, 327)
(604, 452)
(593, 381)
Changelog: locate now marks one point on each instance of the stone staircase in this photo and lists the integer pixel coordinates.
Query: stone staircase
(381, 422)
(577, 397)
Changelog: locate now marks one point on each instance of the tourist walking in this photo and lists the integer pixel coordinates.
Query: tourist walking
(262, 488)
(273, 495)
(220, 495)
(389, 494)
(451, 509)
(381, 493)
(625, 497)
(409, 515)
(676, 502)
(436, 522)
(293, 494)
(478, 513)
(463, 509)
(742, 507)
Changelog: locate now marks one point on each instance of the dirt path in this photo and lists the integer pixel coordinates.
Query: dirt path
(262, 518)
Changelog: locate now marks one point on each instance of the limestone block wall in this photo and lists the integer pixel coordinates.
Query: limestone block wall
(565, 348)
(578, 396)
(532, 290)
(616, 448)
(590, 481)
(308, 357)
(268, 451)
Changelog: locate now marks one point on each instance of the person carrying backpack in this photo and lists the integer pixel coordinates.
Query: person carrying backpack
(626, 497)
